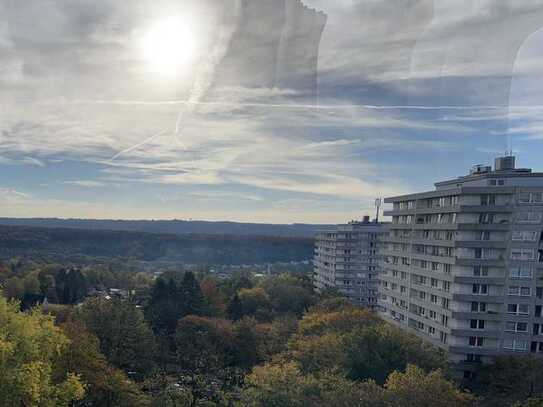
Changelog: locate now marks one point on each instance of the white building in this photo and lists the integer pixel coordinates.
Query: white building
(347, 258)
(462, 265)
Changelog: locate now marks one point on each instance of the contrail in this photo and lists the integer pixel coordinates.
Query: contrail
(206, 75)
(128, 150)
(307, 106)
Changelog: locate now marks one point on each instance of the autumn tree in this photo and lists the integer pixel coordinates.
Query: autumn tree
(214, 301)
(415, 387)
(30, 344)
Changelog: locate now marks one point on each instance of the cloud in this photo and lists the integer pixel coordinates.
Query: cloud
(399, 81)
(88, 183)
(10, 196)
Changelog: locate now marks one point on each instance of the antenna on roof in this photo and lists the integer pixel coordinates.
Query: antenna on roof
(378, 203)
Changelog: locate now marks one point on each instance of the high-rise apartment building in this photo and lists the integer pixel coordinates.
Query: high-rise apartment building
(347, 258)
(463, 264)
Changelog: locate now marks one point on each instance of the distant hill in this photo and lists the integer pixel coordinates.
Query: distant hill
(85, 246)
(172, 226)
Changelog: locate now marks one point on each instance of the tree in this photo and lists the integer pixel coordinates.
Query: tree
(213, 298)
(255, 303)
(106, 386)
(274, 385)
(375, 352)
(285, 385)
(414, 387)
(246, 343)
(125, 338)
(173, 396)
(14, 288)
(172, 299)
(289, 295)
(165, 307)
(234, 311)
(340, 321)
(193, 299)
(71, 286)
(510, 379)
(531, 402)
(29, 346)
(204, 345)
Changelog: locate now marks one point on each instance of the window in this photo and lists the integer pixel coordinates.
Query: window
(433, 282)
(520, 271)
(529, 217)
(515, 344)
(433, 298)
(522, 254)
(480, 271)
(522, 291)
(512, 326)
(524, 235)
(518, 309)
(487, 200)
(486, 218)
(530, 197)
(477, 324)
(525, 291)
(476, 341)
(483, 235)
(480, 289)
(473, 358)
(478, 306)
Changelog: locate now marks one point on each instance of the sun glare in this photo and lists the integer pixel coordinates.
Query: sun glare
(169, 46)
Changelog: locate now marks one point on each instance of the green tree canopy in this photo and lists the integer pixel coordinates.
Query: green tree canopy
(106, 385)
(125, 338)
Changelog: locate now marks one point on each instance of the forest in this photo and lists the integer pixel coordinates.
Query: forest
(84, 246)
(189, 339)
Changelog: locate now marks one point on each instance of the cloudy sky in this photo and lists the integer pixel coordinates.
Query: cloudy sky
(258, 110)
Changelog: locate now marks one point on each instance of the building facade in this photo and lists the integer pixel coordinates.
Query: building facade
(347, 258)
(463, 264)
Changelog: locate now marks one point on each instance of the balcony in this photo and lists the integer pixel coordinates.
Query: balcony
(463, 261)
(479, 350)
(479, 280)
(469, 297)
(487, 316)
(490, 333)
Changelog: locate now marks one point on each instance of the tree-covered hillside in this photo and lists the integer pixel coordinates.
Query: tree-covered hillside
(77, 244)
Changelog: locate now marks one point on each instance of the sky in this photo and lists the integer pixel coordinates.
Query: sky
(276, 111)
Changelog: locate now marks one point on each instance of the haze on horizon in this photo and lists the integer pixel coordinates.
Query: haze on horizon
(257, 111)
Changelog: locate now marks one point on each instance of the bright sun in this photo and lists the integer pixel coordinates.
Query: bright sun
(169, 46)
